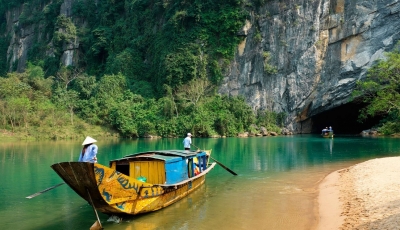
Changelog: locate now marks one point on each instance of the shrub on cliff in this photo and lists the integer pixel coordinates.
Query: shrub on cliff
(381, 91)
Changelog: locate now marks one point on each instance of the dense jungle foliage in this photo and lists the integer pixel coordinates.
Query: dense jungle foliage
(146, 67)
(151, 42)
(381, 91)
(49, 107)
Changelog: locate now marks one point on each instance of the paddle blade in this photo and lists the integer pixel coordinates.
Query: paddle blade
(41, 192)
(96, 226)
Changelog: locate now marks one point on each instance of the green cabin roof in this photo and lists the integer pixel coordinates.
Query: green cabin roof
(164, 155)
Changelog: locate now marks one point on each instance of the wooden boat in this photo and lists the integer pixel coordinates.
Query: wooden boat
(327, 133)
(137, 183)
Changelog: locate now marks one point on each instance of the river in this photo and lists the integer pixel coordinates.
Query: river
(276, 186)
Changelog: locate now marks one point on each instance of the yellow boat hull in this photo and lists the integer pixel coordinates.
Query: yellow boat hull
(115, 193)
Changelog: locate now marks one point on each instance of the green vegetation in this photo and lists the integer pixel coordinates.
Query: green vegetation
(151, 42)
(268, 68)
(70, 104)
(145, 68)
(159, 42)
(381, 91)
(27, 108)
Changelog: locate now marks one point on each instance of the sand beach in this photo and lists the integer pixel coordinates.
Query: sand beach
(363, 196)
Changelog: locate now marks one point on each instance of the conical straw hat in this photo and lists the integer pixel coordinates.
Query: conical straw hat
(88, 140)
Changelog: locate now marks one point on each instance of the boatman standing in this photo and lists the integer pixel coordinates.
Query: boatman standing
(89, 151)
(187, 141)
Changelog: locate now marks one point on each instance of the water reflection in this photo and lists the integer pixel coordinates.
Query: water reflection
(275, 187)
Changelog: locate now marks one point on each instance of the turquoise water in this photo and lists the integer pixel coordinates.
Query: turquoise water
(276, 187)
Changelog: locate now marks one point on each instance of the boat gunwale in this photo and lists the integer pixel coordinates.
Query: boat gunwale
(211, 166)
(179, 153)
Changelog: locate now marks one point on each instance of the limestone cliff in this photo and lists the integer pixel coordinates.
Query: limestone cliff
(24, 35)
(320, 48)
(299, 57)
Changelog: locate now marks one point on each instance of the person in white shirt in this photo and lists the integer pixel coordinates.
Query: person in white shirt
(187, 141)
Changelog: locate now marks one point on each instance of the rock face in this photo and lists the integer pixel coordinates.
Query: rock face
(23, 38)
(299, 57)
(319, 49)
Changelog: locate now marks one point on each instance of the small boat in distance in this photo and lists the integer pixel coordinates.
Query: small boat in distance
(327, 132)
(138, 183)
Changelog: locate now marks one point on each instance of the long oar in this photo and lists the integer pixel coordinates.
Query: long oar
(97, 224)
(223, 166)
(41, 192)
(220, 164)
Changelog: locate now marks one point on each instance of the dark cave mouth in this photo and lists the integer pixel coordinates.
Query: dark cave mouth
(343, 119)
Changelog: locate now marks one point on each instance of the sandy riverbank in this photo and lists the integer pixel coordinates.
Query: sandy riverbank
(363, 196)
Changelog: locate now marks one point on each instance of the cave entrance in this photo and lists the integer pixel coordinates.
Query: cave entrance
(343, 120)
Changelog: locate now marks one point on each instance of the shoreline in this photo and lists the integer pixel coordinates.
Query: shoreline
(329, 206)
(362, 196)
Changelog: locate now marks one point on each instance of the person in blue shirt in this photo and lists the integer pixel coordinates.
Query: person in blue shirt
(89, 151)
(187, 141)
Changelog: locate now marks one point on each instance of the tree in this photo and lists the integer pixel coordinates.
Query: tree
(186, 64)
(194, 90)
(17, 111)
(169, 104)
(67, 99)
(67, 74)
(381, 90)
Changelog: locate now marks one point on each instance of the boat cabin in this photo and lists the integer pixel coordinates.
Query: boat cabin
(162, 167)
